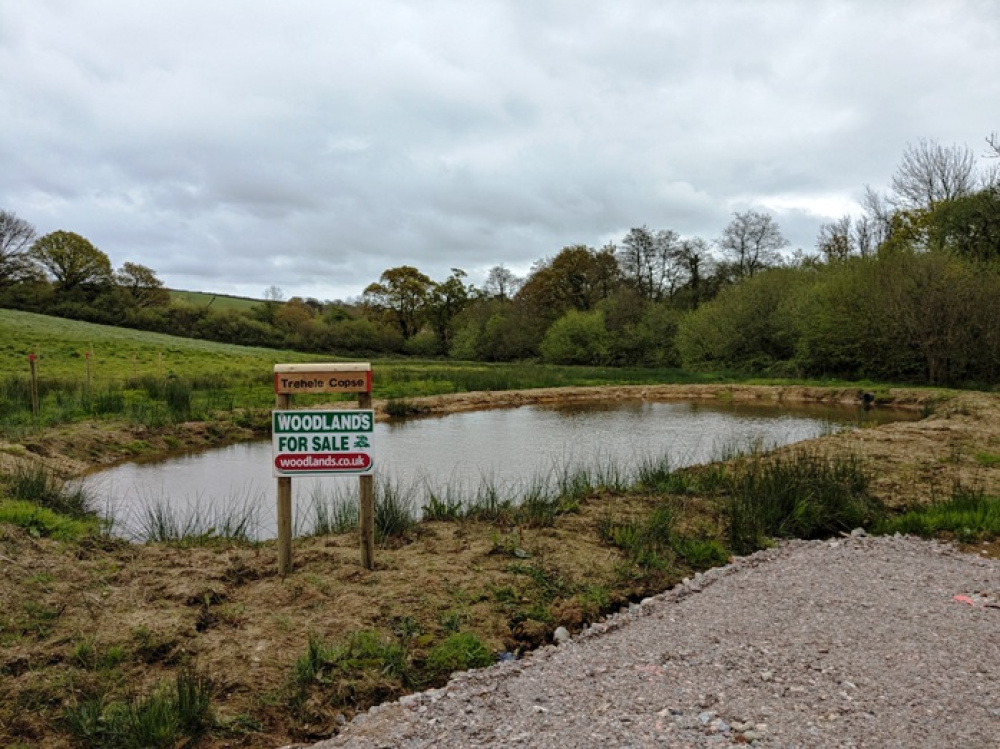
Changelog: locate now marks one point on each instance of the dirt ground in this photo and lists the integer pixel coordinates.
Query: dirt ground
(112, 617)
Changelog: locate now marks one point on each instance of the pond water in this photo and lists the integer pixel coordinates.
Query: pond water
(458, 454)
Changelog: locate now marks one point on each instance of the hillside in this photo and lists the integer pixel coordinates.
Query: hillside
(214, 301)
(60, 346)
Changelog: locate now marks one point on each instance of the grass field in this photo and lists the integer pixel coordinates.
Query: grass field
(215, 301)
(86, 370)
(115, 353)
(120, 353)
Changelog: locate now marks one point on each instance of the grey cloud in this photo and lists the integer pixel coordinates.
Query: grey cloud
(232, 145)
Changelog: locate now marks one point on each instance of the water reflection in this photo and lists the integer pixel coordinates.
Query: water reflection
(456, 454)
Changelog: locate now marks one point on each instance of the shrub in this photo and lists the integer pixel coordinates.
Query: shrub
(576, 338)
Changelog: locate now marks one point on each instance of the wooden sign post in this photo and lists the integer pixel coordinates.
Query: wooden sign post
(323, 443)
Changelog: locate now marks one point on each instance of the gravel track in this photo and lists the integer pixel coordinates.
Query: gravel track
(853, 642)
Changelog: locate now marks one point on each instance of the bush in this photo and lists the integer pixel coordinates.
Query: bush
(576, 338)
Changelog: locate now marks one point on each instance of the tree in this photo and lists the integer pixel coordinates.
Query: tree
(293, 317)
(577, 278)
(73, 261)
(652, 262)
(446, 300)
(694, 257)
(931, 173)
(993, 141)
(835, 240)
(969, 226)
(16, 236)
(752, 240)
(266, 310)
(401, 296)
(751, 326)
(141, 286)
(501, 283)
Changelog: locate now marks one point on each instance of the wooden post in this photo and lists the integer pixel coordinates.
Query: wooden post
(34, 385)
(366, 505)
(281, 402)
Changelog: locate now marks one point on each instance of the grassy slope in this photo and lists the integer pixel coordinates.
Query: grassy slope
(217, 301)
(61, 345)
(121, 352)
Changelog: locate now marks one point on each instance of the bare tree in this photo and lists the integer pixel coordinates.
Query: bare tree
(751, 241)
(652, 262)
(866, 236)
(879, 214)
(501, 283)
(16, 237)
(931, 173)
(835, 240)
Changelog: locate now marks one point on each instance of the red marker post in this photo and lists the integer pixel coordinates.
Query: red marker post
(34, 385)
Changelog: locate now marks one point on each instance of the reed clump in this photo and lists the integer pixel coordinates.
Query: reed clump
(800, 495)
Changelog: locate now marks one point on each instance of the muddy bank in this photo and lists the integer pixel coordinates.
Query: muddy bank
(895, 398)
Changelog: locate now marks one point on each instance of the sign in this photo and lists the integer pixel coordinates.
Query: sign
(322, 378)
(312, 443)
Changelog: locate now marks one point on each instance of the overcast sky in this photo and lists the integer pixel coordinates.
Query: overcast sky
(232, 145)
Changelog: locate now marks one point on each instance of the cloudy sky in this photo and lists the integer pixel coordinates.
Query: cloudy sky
(233, 145)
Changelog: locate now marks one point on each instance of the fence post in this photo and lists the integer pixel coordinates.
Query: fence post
(281, 402)
(34, 386)
(366, 504)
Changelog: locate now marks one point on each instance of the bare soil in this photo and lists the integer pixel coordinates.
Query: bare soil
(223, 608)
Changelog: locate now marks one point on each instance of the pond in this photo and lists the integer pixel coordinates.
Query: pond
(455, 456)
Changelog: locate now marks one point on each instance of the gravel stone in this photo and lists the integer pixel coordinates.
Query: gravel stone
(864, 639)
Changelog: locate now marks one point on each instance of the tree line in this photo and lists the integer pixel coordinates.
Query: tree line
(909, 289)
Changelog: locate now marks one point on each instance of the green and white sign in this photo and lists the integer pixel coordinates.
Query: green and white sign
(309, 443)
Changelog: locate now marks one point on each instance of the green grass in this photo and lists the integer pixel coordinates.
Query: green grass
(155, 379)
(367, 667)
(214, 301)
(43, 522)
(159, 719)
(968, 516)
(34, 483)
(457, 652)
(118, 353)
